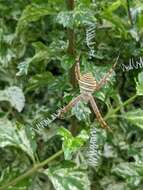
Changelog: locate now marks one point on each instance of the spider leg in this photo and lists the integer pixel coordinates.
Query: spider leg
(77, 69)
(71, 104)
(106, 77)
(97, 113)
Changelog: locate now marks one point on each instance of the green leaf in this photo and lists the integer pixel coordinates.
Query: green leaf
(67, 62)
(41, 54)
(68, 178)
(66, 134)
(72, 144)
(83, 15)
(127, 171)
(15, 96)
(115, 5)
(139, 84)
(135, 117)
(15, 136)
(79, 16)
(40, 80)
(116, 21)
(32, 13)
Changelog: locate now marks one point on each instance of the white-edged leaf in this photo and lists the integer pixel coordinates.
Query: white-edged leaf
(68, 179)
(23, 67)
(127, 171)
(65, 18)
(41, 53)
(139, 84)
(134, 34)
(135, 117)
(15, 96)
(136, 11)
(81, 111)
(15, 136)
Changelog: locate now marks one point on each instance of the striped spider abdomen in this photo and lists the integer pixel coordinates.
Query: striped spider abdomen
(87, 83)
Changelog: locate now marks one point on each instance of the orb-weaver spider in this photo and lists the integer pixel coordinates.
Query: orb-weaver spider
(88, 85)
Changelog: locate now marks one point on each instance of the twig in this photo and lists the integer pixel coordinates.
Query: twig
(31, 171)
(113, 111)
(71, 52)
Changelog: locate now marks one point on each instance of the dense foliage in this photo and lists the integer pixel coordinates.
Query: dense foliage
(39, 42)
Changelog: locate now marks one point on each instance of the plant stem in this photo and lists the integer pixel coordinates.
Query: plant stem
(31, 171)
(71, 52)
(71, 45)
(113, 111)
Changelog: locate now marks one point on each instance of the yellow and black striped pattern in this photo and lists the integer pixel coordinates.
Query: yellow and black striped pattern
(87, 83)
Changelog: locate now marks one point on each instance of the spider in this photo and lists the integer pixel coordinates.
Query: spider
(88, 85)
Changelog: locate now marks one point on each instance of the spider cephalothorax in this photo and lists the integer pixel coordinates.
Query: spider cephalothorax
(88, 85)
